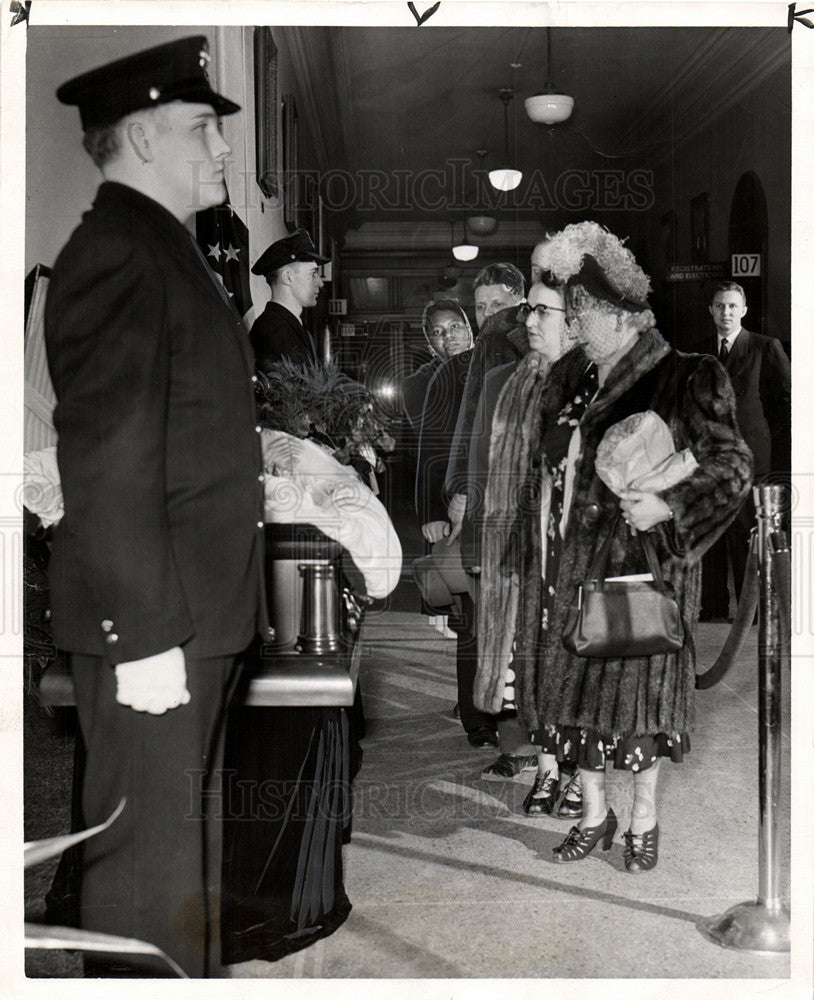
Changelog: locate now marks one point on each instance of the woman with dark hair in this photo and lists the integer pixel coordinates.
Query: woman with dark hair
(631, 710)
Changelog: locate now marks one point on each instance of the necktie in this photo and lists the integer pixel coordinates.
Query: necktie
(723, 351)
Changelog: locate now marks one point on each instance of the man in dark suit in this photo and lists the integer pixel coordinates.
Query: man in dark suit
(292, 268)
(156, 568)
(761, 377)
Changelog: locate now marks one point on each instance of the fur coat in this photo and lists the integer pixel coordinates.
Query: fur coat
(631, 696)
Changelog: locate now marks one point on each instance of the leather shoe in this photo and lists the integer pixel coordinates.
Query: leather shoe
(540, 800)
(642, 850)
(571, 804)
(483, 736)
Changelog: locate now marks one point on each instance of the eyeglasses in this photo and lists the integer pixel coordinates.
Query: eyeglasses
(453, 328)
(540, 310)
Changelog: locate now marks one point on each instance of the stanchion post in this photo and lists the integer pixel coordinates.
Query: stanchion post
(763, 925)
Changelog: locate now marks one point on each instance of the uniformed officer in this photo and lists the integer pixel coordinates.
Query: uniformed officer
(292, 268)
(156, 567)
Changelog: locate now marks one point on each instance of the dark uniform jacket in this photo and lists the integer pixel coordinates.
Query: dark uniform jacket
(760, 373)
(158, 454)
(278, 334)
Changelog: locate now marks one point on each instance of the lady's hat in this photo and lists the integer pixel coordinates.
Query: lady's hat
(441, 575)
(598, 283)
(588, 255)
(174, 71)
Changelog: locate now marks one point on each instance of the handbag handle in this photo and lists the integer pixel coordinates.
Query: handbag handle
(600, 563)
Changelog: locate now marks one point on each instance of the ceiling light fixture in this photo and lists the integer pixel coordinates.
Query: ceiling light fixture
(481, 225)
(549, 107)
(464, 251)
(505, 178)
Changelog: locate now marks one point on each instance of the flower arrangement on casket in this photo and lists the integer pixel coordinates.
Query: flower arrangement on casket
(315, 422)
(322, 403)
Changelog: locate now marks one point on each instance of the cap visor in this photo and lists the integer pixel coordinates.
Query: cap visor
(223, 106)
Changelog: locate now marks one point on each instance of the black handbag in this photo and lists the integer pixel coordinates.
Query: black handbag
(621, 618)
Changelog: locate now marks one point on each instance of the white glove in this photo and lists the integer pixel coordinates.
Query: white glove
(155, 684)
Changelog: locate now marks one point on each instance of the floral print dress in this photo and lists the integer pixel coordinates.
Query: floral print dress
(586, 748)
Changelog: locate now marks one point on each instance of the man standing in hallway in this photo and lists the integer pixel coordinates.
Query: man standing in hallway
(291, 266)
(156, 567)
(761, 378)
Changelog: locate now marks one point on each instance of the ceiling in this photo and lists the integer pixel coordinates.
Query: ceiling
(399, 99)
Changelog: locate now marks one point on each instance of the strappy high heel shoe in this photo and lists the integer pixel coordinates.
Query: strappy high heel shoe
(579, 843)
(571, 804)
(540, 800)
(641, 850)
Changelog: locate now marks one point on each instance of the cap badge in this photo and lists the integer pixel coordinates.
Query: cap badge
(203, 58)
(155, 93)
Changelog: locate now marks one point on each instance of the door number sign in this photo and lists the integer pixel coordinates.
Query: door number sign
(745, 265)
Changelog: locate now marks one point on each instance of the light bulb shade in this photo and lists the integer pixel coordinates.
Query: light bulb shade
(481, 225)
(465, 251)
(505, 178)
(549, 108)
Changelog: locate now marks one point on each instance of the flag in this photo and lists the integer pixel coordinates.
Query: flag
(224, 241)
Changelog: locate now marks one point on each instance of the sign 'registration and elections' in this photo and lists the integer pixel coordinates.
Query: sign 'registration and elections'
(698, 272)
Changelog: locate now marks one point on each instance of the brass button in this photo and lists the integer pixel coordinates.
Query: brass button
(591, 513)
(258, 428)
(112, 638)
(261, 478)
(260, 524)
(254, 378)
(107, 625)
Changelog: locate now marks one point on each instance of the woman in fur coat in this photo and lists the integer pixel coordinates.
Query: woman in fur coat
(631, 710)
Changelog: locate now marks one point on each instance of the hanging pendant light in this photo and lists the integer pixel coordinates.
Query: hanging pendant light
(549, 107)
(505, 178)
(481, 225)
(463, 250)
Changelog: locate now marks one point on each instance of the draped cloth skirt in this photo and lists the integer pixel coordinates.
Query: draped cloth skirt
(287, 812)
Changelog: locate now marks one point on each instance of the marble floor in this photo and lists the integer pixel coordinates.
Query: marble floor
(450, 880)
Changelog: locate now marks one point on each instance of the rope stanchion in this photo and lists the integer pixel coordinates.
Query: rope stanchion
(744, 618)
(763, 925)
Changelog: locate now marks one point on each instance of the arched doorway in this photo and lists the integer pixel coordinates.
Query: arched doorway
(749, 234)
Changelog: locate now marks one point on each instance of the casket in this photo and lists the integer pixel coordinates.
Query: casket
(313, 657)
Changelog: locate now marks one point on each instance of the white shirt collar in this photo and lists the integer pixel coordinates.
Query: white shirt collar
(730, 340)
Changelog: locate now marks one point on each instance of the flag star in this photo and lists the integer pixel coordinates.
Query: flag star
(214, 251)
(231, 253)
